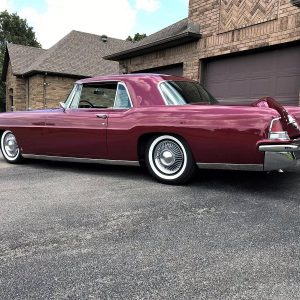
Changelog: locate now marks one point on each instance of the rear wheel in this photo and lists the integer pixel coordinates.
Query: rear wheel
(169, 159)
(10, 149)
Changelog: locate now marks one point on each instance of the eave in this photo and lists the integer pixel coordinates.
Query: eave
(34, 72)
(177, 40)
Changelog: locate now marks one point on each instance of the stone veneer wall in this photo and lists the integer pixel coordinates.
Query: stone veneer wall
(227, 26)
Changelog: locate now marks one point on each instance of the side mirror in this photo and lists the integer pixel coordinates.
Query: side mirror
(62, 105)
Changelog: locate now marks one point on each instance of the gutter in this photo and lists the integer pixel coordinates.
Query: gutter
(33, 72)
(169, 42)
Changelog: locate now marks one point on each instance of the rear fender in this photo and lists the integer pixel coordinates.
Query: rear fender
(289, 123)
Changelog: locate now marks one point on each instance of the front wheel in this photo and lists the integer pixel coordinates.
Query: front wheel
(10, 149)
(169, 159)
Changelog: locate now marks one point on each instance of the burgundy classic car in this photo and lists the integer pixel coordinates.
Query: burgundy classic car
(169, 124)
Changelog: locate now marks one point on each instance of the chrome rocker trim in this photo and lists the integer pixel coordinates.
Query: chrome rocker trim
(280, 157)
(83, 160)
(236, 167)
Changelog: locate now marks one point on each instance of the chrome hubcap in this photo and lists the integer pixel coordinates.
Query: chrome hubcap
(168, 157)
(10, 145)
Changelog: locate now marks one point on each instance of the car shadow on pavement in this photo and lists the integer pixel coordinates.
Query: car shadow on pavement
(262, 182)
(217, 179)
(88, 168)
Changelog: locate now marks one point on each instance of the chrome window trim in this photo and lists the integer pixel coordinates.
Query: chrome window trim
(161, 93)
(165, 100)
(74, 90)
(131, 104)
(104, 81)
(78, 89)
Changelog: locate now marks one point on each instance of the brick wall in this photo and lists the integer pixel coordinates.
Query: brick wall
(48, 91)
(226, 27)
(37, 91)
(164, 58)
(15, 87)
(35, 99)
(276, 22)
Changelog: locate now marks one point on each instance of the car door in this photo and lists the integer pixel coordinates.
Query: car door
(80, 129)
(77, 133)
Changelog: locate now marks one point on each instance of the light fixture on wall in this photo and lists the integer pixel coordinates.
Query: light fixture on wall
(104, 38)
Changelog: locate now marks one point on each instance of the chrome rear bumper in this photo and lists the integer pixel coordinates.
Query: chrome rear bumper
(282, 157)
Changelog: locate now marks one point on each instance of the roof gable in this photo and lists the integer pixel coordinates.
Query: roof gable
(22, 57)
(77, 54)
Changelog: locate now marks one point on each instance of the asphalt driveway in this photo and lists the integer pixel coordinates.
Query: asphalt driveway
(77, 231)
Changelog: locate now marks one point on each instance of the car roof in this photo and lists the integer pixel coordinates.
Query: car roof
(132, 77)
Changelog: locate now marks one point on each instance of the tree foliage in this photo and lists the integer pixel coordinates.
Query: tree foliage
(15, 30)
(137, 37)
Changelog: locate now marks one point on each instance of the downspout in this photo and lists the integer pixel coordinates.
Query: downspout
(45, 90)
(28, 93)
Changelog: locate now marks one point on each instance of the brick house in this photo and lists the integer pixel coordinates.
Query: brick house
(38, 78)
(240, 50)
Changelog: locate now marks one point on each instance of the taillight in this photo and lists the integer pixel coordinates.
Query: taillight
(276, 131)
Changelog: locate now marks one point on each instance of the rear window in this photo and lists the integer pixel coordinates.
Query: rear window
(185, 92)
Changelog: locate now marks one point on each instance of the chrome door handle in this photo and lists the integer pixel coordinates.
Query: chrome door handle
(101, 116)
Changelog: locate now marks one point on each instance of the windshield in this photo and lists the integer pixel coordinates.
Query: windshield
(185, 92)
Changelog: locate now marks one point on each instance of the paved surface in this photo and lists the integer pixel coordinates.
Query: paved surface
(72, 231)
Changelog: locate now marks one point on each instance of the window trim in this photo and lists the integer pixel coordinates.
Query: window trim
(129, 97)
(74, 91)
(165, 100)
(161, 93)
(80, 85)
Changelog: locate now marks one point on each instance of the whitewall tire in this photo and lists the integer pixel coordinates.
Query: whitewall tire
(9, 147)
(169, 159)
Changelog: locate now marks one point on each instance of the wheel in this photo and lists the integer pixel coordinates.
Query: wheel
(169, 159)
(10, 148)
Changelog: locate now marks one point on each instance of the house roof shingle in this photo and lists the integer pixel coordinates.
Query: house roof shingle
(175, 34)
(77, 54)
(22, 57)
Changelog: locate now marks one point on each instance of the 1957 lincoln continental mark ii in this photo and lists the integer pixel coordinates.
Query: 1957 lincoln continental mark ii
(169, 124)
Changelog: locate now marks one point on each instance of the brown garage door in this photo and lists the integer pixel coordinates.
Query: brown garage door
(245, 78)
(169, 70)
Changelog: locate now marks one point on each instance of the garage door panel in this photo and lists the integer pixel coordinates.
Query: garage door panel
(221, 89)
(274, 73)
(261, 87)
(238, 88)
(287, 85)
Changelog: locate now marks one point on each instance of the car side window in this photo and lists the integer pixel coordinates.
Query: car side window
(122, 99)
(101, 95)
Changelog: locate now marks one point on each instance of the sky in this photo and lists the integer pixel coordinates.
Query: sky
(53, 19)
